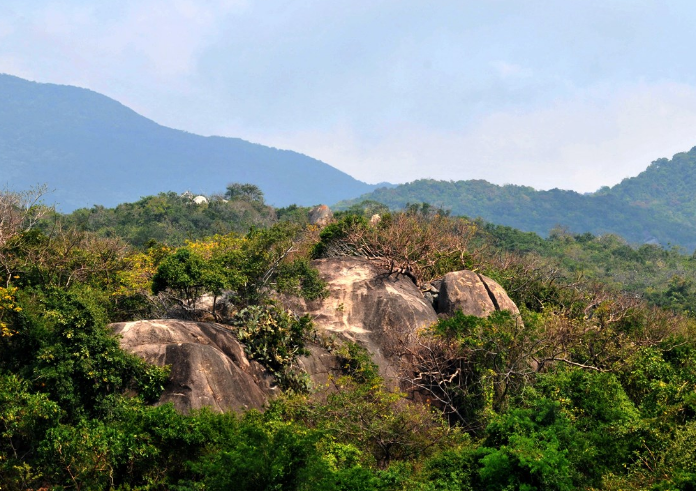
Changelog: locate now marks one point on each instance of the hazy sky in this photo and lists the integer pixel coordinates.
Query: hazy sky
(573, 94)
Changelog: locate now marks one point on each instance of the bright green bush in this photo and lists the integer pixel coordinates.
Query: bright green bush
(63, 346)
(275, 338)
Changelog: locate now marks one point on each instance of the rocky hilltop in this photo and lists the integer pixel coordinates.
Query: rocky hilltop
(381, 312)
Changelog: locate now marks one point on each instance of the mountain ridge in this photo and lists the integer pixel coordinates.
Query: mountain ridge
(94, 150)
(657, 205)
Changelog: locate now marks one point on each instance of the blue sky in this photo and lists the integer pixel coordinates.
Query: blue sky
(574, 94)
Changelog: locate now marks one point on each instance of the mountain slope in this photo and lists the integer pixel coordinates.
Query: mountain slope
(666, 185)
(93, 150)
(657, 205)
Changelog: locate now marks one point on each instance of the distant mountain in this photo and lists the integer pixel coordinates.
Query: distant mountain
(666, 185)
(93, 150)
(659, 205)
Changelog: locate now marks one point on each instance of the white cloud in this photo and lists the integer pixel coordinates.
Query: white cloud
(510, 70)
(598, 137)
(143, 53)
(153, 40)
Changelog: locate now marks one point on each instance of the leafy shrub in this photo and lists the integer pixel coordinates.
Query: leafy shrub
(63, 346)
(24, 419)
(266, 455)
(529, 449)
(357, 364)
(300, 278)
(470, 366)
(337, 231)
(246, 269)
(276, 339)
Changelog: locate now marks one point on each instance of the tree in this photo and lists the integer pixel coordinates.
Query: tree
(188, 276)
(244, 192)
(19, 212)
(420, 246)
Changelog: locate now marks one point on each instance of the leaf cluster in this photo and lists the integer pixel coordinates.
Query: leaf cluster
(275, 338)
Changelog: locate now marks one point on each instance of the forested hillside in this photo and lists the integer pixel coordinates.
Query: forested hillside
(173, 218)
(656, 206)
(91, 150)
(666, 186)
(661, 276)
(594, 389)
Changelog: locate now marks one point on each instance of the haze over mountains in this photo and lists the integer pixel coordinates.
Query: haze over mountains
(91, 150)
(657, 206)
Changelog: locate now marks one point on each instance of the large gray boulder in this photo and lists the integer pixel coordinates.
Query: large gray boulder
(382, 312)
(208, 366)
(473, 294)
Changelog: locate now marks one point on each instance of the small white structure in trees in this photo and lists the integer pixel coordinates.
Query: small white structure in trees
(199, 200)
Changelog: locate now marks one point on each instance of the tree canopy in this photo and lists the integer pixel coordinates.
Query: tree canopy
(594, 387)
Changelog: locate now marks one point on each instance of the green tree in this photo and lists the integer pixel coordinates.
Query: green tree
(188, 276)
(247, 192)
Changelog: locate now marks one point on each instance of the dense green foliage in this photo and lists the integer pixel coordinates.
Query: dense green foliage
(275, 338)
(656, 206)
(594, 387)
(171, 218)
(664, 277)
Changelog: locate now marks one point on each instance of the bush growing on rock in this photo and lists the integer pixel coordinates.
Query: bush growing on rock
(421, 246)
(275, 338)
(248, 268)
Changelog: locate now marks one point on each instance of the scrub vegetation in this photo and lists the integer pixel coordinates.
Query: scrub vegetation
(657, 206)
(594, 389)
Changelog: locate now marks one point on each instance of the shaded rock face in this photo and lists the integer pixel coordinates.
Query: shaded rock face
(379, 311)
(473, 293)
(320, 215)
(209, 366)
(322, 368)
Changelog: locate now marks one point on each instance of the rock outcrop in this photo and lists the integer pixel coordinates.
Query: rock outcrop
(379, 311)
(320, 215)
(209, 366)
(473, 294)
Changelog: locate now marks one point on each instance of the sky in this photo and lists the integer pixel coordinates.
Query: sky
(573, 94)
